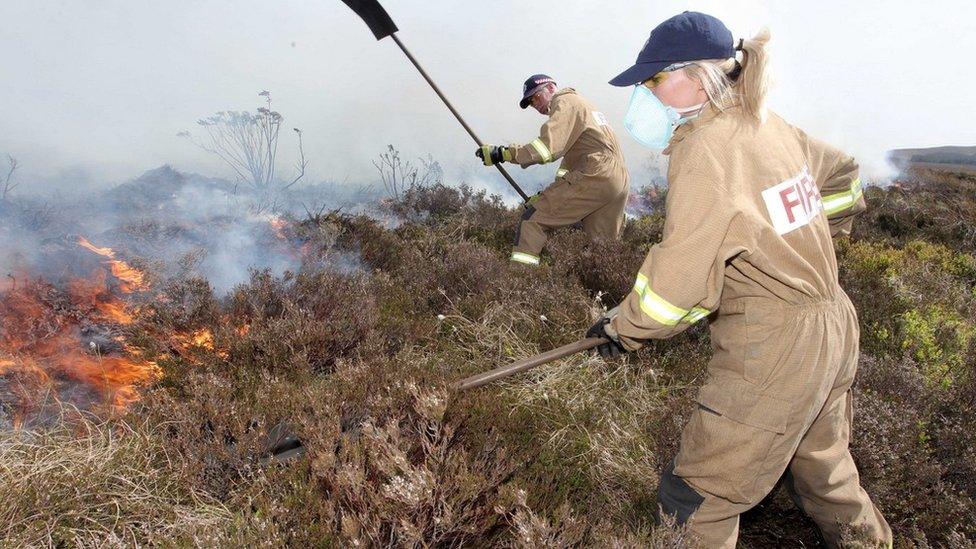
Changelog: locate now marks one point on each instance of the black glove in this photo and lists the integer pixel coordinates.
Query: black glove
(492, 154)
(610, 349)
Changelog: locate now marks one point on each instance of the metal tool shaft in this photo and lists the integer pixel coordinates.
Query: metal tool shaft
(454, 112)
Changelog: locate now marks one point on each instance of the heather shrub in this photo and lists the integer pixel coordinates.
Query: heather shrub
(934, 206)
(222, 420)
(301, 321)
(940, 339)
(908, 449)
(184, 303)
(467, 213)
(378, 247)
(644, 231)
(409, 481)
(601, 266)
(892, 447)
(568, 529)
(440, 270)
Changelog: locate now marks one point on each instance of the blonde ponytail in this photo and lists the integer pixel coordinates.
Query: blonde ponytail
(750, 86)
(753, 83)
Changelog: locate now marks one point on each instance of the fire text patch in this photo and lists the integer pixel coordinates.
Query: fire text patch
(793, 203)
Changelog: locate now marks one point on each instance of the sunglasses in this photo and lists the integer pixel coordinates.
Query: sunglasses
(661, 76)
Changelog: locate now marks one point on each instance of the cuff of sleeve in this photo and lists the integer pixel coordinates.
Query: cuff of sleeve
(520, 155)
(627, 343)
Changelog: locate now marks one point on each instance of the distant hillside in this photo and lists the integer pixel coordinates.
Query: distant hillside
(962, 158)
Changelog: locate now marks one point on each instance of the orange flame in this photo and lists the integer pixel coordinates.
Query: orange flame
(115, 378)
(42, 338)
(115, 312)
(203, 338)
(93, 292)
(200, 339)
(131, 279)
(28, 380)
(278, 226)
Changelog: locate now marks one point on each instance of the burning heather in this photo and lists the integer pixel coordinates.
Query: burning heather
(68, 346)
(130, 279)
(72, 306)
(67, 343)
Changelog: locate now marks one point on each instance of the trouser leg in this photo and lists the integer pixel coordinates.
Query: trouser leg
(753, 460)
(608, 220)
(825, 481)
(716, 520)
(530, 237)
(560, 205)
(735, 447)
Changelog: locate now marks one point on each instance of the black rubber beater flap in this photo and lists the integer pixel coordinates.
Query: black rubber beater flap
(374, 15)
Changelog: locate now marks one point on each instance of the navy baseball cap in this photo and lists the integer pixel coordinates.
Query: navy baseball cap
(532, 85)
(688, 36)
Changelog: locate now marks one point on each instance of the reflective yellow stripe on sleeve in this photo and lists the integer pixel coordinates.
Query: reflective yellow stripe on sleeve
(838, 202)
(640, 284)
(542, 149)
(523, 257)
(661, 309)
(561, 172)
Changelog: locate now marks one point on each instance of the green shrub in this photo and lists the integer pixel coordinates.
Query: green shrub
(917, 299)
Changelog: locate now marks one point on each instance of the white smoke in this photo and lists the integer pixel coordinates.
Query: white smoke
(850, 73)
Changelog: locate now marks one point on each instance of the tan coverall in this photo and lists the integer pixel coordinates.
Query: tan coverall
(751, 210)
(591, 183)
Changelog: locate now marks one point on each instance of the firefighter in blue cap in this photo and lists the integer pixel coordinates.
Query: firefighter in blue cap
(753, 203)
(591, 183)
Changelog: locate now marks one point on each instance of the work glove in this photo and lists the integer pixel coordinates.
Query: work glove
(602, 328)
(492, 154)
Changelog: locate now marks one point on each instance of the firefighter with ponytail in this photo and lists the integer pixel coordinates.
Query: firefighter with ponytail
(752, 206)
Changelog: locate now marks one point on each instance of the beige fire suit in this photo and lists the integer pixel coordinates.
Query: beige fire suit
(751, 210)
(591, 183)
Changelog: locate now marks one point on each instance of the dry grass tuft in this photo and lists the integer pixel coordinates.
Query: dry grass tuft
(92, 484)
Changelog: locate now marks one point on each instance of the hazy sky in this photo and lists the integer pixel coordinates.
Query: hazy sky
(98, 89)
